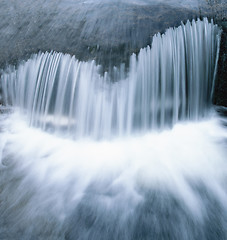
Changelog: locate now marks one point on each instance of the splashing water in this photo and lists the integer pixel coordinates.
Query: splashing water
(169, 185)
(156, 185)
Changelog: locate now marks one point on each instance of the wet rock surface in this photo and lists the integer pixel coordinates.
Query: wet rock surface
(219, 11)
(108, 31)
(220, 94)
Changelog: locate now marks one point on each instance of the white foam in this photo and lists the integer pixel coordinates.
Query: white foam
(174, 161)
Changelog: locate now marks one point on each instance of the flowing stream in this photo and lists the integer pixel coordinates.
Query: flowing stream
(134, 153)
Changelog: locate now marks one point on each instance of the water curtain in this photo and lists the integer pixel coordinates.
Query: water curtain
(169, 81)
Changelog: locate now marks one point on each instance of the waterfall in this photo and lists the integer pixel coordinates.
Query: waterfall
(148, 184)
(168, 82)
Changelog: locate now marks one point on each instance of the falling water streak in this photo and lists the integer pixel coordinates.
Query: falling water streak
(170, 81)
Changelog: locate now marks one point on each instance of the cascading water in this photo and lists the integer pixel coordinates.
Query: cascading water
(154, 185)
(168, 82)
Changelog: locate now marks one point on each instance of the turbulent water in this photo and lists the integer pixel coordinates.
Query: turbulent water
(168, 184)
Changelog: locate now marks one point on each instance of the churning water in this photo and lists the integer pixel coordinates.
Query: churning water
(148, 154)
(168, 185)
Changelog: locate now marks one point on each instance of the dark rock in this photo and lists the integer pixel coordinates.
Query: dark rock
(220, 93)
(108, 31)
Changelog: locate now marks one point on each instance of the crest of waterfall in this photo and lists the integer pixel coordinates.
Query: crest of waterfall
(170, 81)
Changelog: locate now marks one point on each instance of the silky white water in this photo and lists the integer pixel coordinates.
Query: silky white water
(170, 81)
(110, 173)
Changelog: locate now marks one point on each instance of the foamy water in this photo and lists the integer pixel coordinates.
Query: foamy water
(43, 175)
(125, 175)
